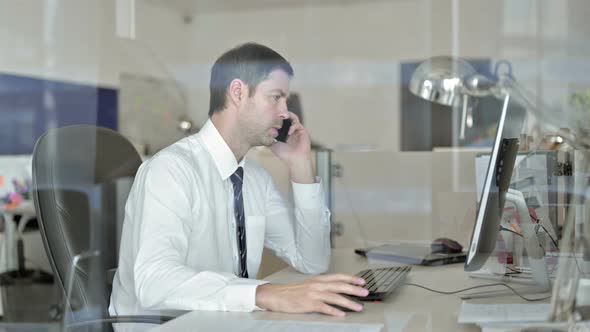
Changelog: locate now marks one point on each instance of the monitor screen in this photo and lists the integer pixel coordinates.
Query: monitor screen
(496, 183)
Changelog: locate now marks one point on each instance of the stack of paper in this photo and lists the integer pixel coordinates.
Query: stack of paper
(509, 317)
(494, 313)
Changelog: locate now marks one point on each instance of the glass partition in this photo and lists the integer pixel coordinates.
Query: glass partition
(402, 168)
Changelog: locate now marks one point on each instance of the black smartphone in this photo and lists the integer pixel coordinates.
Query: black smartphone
(284, 131)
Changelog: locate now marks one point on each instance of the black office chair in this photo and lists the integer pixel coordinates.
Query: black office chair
(77, 175)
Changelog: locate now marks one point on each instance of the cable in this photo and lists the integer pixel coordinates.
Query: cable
(538, 221)
(513, 226)
(552, 240)
(481, 286)
(502, 228)
(511, 231)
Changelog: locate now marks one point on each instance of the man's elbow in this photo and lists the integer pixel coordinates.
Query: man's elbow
(148, 293)
(147, 298)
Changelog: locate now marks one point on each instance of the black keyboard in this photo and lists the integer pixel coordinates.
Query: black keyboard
(382, 281)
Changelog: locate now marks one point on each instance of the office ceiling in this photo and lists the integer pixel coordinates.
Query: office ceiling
(192, 7)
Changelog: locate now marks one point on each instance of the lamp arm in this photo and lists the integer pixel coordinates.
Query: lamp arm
(464, 107)
(508, 85)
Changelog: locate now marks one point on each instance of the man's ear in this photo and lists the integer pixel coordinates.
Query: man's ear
(237, 91)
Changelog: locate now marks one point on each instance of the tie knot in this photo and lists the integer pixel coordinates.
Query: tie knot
(238, 176)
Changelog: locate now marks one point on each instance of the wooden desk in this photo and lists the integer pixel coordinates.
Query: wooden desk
(409, 309)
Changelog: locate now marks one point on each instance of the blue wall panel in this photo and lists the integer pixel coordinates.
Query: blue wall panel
(30, 106)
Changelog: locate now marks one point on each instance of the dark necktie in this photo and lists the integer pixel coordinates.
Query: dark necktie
(237, 179)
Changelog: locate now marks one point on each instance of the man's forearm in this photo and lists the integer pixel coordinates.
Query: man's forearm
(312, 230)
(301, 171)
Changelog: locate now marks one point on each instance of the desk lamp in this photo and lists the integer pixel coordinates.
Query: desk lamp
(440, 80)
(452, 82)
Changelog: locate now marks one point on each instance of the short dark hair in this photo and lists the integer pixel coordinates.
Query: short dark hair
(251, 63)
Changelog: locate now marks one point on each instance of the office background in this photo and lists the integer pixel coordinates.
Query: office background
(152, 59)
(347, 55)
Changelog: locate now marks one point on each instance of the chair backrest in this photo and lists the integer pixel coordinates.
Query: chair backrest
(76, 172)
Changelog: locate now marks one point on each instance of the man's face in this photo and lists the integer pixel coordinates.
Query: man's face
(265, 110)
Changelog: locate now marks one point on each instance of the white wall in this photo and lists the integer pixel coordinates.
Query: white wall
(74, 40)
(346, 56)
(345, 64)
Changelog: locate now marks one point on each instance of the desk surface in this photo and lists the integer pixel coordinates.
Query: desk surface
(409, 309)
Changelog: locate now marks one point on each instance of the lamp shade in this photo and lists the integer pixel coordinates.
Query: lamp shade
(440, 80)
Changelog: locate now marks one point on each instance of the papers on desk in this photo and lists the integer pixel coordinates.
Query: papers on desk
(503, 313)
(509, 317)
(255, 322)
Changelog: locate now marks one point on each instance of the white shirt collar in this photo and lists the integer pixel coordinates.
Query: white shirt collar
(223, 157)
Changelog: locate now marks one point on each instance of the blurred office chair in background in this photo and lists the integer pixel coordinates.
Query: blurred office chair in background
(77, 172)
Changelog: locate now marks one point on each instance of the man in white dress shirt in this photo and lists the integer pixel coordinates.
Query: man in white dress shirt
(180, 248)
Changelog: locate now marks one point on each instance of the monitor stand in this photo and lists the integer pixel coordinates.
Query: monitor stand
(540, 282)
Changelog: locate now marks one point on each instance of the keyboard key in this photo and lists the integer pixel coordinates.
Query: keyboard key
(382, 281)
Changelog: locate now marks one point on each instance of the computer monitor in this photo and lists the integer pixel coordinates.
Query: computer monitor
(496, 184)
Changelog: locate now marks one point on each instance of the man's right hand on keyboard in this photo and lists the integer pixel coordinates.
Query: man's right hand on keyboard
(318, 294)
